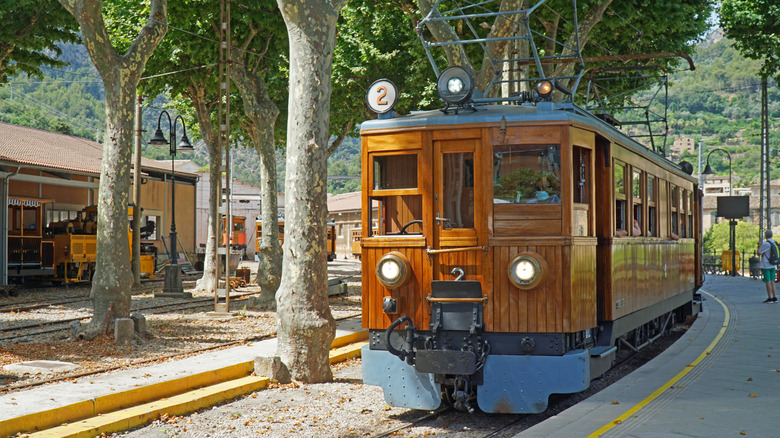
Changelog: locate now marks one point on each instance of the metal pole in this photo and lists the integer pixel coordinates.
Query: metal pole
(765, 148)
(136, 243)
(174, 252)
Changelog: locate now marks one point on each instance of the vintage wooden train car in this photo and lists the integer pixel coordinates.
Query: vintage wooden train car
(63, 252)
(518, 247)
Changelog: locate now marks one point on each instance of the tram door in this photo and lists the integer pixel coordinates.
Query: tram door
(456, 215)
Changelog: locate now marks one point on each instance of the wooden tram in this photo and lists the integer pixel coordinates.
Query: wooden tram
(237, 233)
(567, 238)
(520, 240)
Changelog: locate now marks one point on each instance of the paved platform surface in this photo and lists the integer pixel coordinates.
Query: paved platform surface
(67, 400)
(721, 379)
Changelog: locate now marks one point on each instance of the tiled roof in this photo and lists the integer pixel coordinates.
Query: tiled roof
(20, 145)
(345, 202)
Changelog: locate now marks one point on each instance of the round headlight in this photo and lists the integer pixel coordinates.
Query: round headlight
(527, 270)
(455, 85)
(544, 88)
(390, 270)
(393, 270)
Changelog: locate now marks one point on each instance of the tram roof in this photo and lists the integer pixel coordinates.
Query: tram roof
(541, 112)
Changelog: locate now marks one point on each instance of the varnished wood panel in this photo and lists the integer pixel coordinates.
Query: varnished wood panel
(410, 297)
(528, 228)
(528, 135)
(645, 271)
(456, 134)
(527, 220)
(565, 301)
(393, 142)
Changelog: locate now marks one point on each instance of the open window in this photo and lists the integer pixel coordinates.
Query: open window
(652, 208)
(620, 199)
(395, 193)
(675, 218)
(637, 191)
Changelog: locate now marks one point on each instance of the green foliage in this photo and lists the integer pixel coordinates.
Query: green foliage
(754, 25)
(716, 239)
(30, 31)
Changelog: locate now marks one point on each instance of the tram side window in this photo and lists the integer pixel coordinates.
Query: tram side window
(682, 212)
(652, 228)
(581, 175)
(675, 218)
(527, 174)
(620, 199)
(636, 192)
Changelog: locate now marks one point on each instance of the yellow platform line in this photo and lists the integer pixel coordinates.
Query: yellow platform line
(140, 403)
(627, 415)
(123, 399)
(139, 415)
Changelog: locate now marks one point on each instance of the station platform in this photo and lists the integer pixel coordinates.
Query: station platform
(100, 404)
(720, 379)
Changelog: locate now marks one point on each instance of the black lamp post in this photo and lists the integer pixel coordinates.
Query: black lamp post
(732, 222)
(173, 285)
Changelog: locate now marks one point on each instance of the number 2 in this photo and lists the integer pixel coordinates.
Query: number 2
(380, 100)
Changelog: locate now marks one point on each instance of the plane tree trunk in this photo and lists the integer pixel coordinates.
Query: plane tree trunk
(305, 325)
(203, 104)
(112, 281)
(261, 114)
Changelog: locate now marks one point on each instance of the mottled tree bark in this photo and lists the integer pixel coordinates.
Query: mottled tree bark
(261, 113)
(305, 325)
(198, 95)
(113, 278)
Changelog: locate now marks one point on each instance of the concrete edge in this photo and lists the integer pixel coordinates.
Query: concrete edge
(138, 415)
(89, 412)
(351, 338)
(107, 403)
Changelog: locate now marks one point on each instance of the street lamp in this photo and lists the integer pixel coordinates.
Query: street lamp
(708, 170)
(732, 222)
(173, 285)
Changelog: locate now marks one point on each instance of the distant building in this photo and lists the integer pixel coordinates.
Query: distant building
(246, 202)
(716, 186)
(684, 143)
(345, 211)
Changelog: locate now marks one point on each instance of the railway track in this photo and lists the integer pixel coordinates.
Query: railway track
(195, 304)
(141, 362)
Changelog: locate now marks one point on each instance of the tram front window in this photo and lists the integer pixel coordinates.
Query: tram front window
(395, 195)
(528, 174)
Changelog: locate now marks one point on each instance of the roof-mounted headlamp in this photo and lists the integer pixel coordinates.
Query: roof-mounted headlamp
(455, 85)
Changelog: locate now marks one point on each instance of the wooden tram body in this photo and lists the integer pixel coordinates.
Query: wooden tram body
(472, 193)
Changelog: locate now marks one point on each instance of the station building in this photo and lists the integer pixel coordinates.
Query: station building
(47, 177)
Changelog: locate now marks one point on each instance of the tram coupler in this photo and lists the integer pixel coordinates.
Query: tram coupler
(407, 350)
(461, 394)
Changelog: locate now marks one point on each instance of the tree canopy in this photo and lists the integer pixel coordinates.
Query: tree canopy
(30, 33)
(754, 25)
